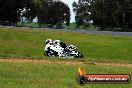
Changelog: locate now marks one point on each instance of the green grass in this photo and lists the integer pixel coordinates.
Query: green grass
(18, 43)
(74, 26)
(28, 24)
(44, 75)
(35, 25)
(71, 26)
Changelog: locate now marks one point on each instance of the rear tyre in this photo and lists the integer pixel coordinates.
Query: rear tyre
(50, 53)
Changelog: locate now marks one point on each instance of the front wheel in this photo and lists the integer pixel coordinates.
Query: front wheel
(79, 55)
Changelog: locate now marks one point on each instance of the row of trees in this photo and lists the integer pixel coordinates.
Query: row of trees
(104, 13)
(47, 11)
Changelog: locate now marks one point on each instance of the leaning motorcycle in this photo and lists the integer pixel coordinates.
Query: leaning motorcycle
(68, 52)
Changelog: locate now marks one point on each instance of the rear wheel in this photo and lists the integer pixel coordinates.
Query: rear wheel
(51, 53)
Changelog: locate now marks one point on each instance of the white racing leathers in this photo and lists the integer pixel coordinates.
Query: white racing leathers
(54, 50)
(47, 46)
(58, 49)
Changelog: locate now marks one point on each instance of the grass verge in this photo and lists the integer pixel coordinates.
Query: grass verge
(44, 75)
(16, 43)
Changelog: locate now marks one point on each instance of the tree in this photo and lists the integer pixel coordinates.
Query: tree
(58, 12)
(82, 11)
(106, 13)
(114, 13)
(49, 12)
(10, 10)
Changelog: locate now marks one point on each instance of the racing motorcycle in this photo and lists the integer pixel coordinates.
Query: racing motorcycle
(68, 52)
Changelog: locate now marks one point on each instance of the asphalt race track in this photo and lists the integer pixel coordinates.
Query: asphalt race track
(78, 31)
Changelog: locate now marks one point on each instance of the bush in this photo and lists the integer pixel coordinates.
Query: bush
(59, 25)
(89, 26)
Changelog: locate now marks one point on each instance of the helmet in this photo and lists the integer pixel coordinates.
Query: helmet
(48, 41)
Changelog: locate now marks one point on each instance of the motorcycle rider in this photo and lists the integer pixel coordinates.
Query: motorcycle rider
(48, 42)
(56, 45)
(56, 42)
(59, 43)
(58, 48)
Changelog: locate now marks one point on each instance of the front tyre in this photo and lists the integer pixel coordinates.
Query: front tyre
(79, 55)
